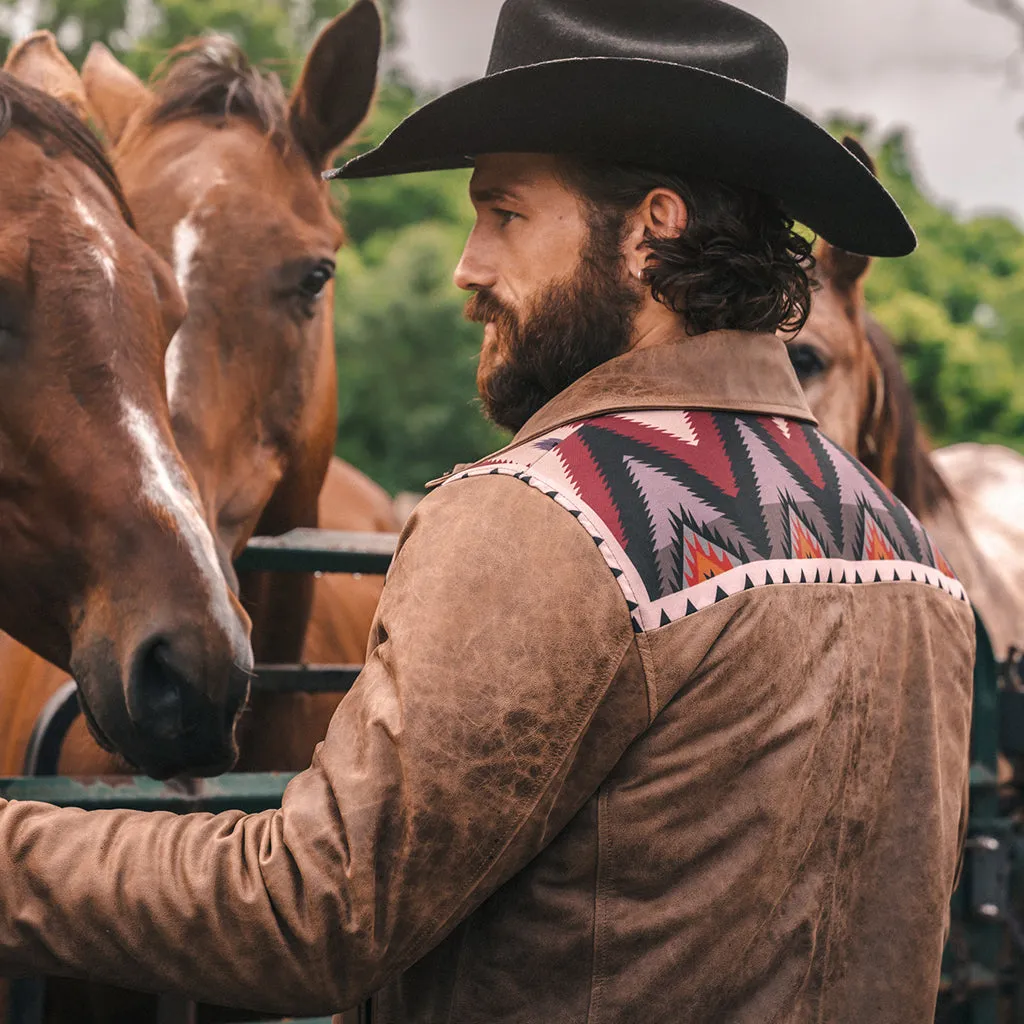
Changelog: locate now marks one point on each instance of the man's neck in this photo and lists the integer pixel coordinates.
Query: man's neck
(657, 325)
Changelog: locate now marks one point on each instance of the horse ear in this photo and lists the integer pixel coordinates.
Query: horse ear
(337, 83)
(842, 270)
(860, 153)
(114, 92)
(38, 61)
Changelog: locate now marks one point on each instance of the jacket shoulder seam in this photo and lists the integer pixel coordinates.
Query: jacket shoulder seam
(528, 475)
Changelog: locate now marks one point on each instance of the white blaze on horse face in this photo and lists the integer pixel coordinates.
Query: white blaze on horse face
(185, 242)
(165, 488)
(105, 252)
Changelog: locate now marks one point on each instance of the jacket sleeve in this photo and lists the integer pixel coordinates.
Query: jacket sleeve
(504, 686)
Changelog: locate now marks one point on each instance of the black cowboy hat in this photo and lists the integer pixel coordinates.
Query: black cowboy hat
(689, 86)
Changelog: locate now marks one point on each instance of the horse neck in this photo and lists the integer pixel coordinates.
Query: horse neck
(892, 443)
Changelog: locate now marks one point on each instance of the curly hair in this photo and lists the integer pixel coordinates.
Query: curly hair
(738, 265)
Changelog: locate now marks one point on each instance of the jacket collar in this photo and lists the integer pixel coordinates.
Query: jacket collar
(734, 371)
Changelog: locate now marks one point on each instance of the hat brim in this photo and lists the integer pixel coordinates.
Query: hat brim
(657, 114)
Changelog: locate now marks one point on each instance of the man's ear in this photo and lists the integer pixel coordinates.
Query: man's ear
(663, 214)
(337, 83)
(114, 92)
(38, 61)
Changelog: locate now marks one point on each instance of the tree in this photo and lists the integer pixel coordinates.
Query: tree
(274, 33)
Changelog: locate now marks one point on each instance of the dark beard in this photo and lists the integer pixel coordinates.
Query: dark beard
(573, 327)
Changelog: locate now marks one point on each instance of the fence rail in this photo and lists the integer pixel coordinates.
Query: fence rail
(251, 792)
(320, 551)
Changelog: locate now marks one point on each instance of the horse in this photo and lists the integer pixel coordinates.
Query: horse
(107, 568)
(970, 497)
(221, 170)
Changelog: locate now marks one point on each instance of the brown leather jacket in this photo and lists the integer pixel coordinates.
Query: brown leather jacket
(665, 718)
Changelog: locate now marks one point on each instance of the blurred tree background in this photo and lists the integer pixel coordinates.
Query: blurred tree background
(407, 359)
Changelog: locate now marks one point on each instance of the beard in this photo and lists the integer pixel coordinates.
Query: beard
(573, 326)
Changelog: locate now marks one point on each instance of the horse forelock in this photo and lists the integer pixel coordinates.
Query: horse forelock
(211, 76)
(40, 116)
(901, 455)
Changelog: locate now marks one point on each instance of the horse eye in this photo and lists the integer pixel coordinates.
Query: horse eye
(11, 337)
(313, 284)
(807, 361)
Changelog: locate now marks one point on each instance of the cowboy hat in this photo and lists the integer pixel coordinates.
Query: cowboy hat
(687, 86)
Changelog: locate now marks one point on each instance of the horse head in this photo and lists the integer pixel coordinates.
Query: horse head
(223, 172)
(108, 568)
(850, 370)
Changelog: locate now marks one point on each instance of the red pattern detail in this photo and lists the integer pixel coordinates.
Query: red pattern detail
(803, 543)
(876, 547)
(942, 565)
(703, 560)
(706, 454)
(797, 447)
(586, 476)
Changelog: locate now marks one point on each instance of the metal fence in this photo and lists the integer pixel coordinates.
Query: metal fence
(983, 964)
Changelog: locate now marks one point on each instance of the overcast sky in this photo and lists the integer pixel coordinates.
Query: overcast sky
(940, 67)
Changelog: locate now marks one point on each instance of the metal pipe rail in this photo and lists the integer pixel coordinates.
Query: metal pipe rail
(250, 792)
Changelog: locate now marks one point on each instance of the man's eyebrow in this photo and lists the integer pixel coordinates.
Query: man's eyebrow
(495, 194)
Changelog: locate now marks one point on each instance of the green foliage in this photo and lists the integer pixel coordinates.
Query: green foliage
(274, 33)
(266, 32)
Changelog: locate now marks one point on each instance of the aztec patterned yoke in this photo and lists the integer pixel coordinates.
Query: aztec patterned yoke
(692, 507)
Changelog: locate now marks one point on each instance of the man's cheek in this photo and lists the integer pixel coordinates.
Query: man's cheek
(490, 357)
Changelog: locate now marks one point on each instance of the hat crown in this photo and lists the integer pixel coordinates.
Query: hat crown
(706, 34)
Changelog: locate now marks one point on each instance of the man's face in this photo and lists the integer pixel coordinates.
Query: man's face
(552, 291)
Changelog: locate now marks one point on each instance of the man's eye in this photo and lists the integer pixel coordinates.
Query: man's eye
(506, 217)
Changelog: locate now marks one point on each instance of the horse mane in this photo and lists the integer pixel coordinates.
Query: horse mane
(892, 443)
(212, 77)
(43, 118)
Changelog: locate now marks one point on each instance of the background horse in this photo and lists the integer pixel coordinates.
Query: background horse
(107, 567)
(223, 173)
(969, 496)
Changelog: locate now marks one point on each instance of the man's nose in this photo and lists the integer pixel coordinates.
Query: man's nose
(473, 272)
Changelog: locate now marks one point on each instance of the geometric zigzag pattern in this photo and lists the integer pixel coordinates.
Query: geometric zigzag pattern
(692, 507)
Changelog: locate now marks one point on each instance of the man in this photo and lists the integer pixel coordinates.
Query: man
(665, 716)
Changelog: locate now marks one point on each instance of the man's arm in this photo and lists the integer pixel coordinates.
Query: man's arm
(505, 686)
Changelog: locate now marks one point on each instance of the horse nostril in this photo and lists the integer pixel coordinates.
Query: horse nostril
(156, 692)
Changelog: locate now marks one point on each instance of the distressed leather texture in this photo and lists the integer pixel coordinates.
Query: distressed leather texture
(530, 809)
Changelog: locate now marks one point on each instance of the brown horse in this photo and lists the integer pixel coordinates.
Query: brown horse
(222, 172)
(108, 568)
(970, 497)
